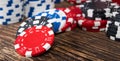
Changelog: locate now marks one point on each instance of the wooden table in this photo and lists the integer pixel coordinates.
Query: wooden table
(76, 45)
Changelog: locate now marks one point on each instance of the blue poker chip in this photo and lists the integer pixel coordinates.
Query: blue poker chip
(56, 17)
(11, 11)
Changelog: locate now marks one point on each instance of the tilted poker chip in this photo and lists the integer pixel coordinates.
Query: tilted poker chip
(69, 22)
(97, 10)
(70, 17)
(56, 17)
(32, 22)
(34, 41)
(72, 14)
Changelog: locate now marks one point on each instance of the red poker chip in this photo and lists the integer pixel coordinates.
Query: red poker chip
(70, 17)
(34, 41)
(91, 23)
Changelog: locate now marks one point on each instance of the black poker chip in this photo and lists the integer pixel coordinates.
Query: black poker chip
(30, 22)
(41, 21)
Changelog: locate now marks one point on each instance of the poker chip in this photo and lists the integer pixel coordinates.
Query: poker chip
(33, 22)
(72, 14)
(69, 19)
(56, 17)
(11, 11)
(96, 10)
(34, 41)
(91, 23)
(32, 8)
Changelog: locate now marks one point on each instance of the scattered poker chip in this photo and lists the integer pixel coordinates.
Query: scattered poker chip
(32, 22)
(34, 7)
(11, 11)
(56, 17)
(34, 41)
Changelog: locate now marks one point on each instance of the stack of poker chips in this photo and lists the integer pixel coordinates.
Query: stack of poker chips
(11, 11)
(33, 7)
(94, 16)
(113, 25)
(36, 35)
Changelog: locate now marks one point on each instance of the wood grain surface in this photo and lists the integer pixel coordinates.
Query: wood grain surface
(76, 45)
